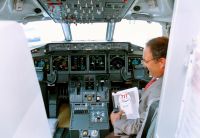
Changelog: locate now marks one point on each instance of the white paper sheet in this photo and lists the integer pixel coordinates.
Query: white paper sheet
(127, 101)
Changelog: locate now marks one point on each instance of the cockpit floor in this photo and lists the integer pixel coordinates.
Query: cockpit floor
(64, 116)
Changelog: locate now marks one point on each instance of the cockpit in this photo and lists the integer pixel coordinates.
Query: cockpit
(77, 78)
(83, 76)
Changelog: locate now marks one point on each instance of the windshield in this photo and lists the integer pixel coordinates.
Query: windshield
(136, 32)
(89, 32)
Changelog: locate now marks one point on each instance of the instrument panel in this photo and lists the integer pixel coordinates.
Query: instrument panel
(117, 61)
(133, 61)
(60, 63)
(97, 62)
(78, 58)
(42, 66)
(78, 63)
(87, 11)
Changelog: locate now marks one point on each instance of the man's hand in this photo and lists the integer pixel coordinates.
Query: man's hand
(115, 116)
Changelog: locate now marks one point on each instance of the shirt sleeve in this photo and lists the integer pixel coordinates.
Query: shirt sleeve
(128, 126)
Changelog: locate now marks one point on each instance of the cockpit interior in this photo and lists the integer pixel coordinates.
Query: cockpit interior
(77, 78)
(83, 76)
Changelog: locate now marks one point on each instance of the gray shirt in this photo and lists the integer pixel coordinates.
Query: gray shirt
(132, 126)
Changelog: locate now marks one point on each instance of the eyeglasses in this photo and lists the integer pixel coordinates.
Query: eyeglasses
(147, 61)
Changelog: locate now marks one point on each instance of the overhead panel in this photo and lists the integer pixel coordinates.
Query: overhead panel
(86, 11)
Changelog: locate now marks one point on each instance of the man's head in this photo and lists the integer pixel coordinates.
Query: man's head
(154, 56)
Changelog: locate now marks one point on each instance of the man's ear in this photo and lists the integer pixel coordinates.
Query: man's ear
(162, 62)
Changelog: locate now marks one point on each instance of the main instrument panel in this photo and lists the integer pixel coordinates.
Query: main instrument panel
(85, 74)
(73, 58)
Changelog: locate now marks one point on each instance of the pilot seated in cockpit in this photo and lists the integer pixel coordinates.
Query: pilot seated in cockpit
(154, 58)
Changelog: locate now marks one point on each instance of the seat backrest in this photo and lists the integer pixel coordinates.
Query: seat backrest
(151, 130)
(22, 109)
(150, 117)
